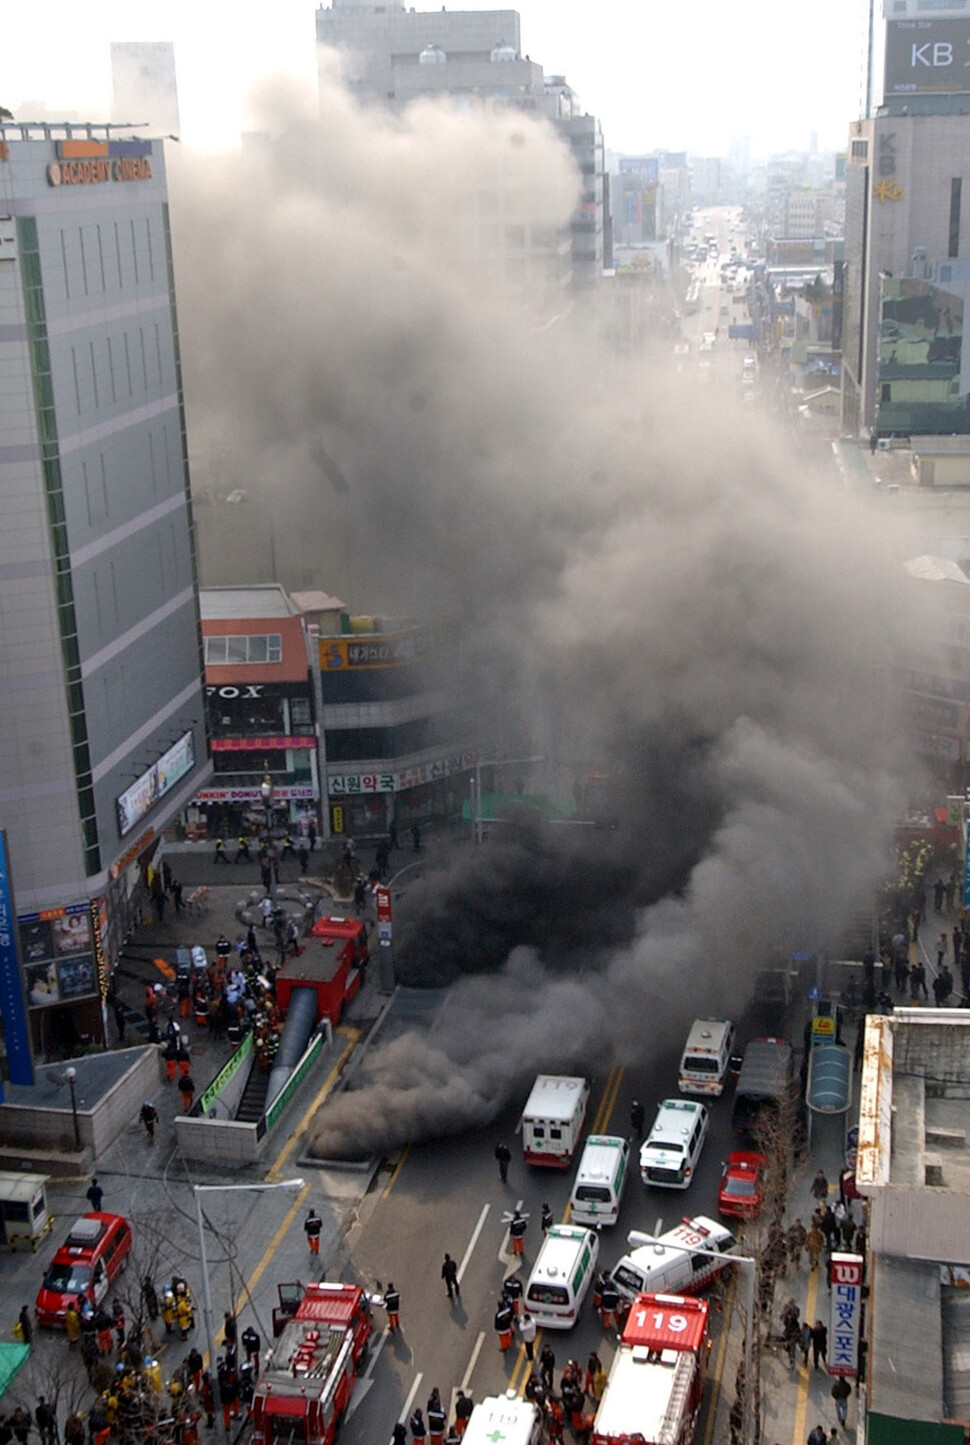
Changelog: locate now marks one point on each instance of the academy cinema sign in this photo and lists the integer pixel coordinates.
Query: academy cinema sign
(98, 163)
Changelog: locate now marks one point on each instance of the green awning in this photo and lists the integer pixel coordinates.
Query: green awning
(11, 1358)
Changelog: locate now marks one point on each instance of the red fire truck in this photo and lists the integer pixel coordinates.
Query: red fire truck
(305, 1386)
(653, 1394)
(330, 963)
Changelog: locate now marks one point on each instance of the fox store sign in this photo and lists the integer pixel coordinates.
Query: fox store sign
(100, 162)
(927, 55)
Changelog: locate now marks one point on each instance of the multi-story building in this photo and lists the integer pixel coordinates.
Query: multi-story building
(907, 240)
(143, 85)
(633, 200)
(705, 180)
(261, 714)
(589, 232)
(102, 723)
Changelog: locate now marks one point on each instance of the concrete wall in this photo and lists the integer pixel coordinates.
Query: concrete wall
(99, 1126)
(220, 1142)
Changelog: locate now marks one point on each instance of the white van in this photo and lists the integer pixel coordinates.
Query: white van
(561, 1276)
(600, 1180)
(706, 1058)
(505, 1418)
(669, 1264)
(673, 1146)
(553, 1118)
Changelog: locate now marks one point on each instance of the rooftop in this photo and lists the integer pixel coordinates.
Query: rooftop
(227, 604)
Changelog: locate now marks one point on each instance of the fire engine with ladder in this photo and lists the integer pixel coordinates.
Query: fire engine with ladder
(305, 1386)
(653, 1394)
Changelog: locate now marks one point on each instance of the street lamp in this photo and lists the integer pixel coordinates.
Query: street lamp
(293, 1186)
(266, 791)
(479, 831)
(748, 1266)
(70, 1074)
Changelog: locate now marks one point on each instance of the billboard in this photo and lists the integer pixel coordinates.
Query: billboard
(845, 1315)
(645, 168)
(160, 778)
(58, 954)
(927, 55)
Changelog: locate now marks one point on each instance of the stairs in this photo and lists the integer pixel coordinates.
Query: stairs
(253, 1101)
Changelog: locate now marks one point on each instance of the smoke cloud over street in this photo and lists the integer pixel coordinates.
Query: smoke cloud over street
(632, 576)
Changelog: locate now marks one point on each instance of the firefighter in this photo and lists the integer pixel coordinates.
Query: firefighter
(437, 1419)
(517, 1228)
(183, 1056)
(419, 1432)
(504, 1317)
(399, 1435)
(392, 1304)
(573, 1403)
(170, 1055)
(207, 1396)
(184, 1313)
(228, 1392)
(555, 1418)
(251, 1344)
(184, 992)
(247, 1383)
(609, 1303)
(593, 1364)
(512, 1290)
(312, 1226)
(168, 1310)
(464, 1405)
(195, 1364)
(187, 1090)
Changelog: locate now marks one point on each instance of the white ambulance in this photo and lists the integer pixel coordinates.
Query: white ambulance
(553, 1119)
(505, 1418)
(706, 1059)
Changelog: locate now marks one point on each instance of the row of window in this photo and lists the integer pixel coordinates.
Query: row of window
(250, 648)
(107, 257)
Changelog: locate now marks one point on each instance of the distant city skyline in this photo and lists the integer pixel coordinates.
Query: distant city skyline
(690, 77)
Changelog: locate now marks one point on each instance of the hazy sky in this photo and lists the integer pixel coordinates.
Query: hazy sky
(680, 76)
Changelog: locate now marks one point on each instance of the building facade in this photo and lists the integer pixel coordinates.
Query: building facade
(144, 90)
(103, 735)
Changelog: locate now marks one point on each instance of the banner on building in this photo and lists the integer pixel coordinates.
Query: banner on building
(19, 1062)
(927, 55)
(846, 1312)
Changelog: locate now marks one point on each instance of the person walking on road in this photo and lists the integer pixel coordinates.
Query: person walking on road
(312, 1226)
(638, 1118)
(392, 1304)
(95, 1194)
(419, 1431)
(449, 1273)
(527, 1334)
(464, 1405)
(820, 1187)
(504, 1323)
(437, 1419)
(841, 1390)
(814, 1243)
(504, 1157)
(805, 1341)
(400, 1434)
(149, 1118)
(817, 1436)
(547, 1366)
(220, 851)
(517, 1227)
(820, 1343)
(795, 1243)
(546, 1219)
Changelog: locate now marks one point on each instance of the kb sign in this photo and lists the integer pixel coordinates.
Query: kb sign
(927, 55)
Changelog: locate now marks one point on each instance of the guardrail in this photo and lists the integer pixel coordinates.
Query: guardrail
(228, 1071)
(296, 1078)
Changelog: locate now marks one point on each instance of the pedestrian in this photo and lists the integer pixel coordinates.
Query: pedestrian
(437, 1419)
(512, 1290)
(795, 1243)
(242, 850)
(817, 1436)
(527, 1334)
(207, 1398)
(517, 1227)
(419, 1431)
(820, 1343)
(303, 857)
(251, 1343)
(504, 1157)
(45, 1417)
(547, 1366)
(841, 1390)
(814, 1243)
(609, 1302)
(449, 1273)
(504, 1323)
(805, 1340)
(195, 1364)
(546, 1219)
(177, 896)
(72, 1325)
(229, 1330)
(20, 1424)
(399, 1435)
(149, 1118)
(312, 1226)
(464, 1405)
(592, 1365)
(638, 1117)
(848, 1229)
(74, 1431)
(94, 1195)
(121, 1023)
(830, 1229)
(416, 838)
(186, 1315)
(392, 1304)
(820, 1187)
(220, 851)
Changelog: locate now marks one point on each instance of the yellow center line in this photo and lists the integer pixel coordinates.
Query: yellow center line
(804, 1372)
(353, 1038)
(397, 1169)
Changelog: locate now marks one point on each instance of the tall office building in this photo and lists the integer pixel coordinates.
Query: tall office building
(102, 731)
(906, 358)
(143, 85)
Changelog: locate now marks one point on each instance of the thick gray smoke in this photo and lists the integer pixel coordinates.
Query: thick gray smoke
(637, 578)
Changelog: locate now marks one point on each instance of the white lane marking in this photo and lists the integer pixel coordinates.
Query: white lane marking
(403, 1417)
(474, 1360)
(472, 1242)
(505, 1255)
(364, 1383)
(658, 1227)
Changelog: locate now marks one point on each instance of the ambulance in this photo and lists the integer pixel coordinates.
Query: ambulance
(706, 1059)
(553, 1119)
(600, 1180)
(505, 1418)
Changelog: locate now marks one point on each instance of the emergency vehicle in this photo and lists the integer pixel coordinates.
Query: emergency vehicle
(331, 963)
(670, 1265)
(92, 1256)
(305, 1386)
(505, 1418)
(553, 1119)
(653, 1394)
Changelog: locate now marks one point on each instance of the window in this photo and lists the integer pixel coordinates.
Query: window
(238, 651)
(860, 150)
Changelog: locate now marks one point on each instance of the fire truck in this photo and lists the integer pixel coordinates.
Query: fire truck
(305, 1386)
(653, 1394)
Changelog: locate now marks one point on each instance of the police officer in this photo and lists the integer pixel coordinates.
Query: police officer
(512, 1290)
(437, 1419)
(517, 1228)
(419, 1432)
(251, 1344)
(311, 1228)
(392, 1304)
(504, 1319)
